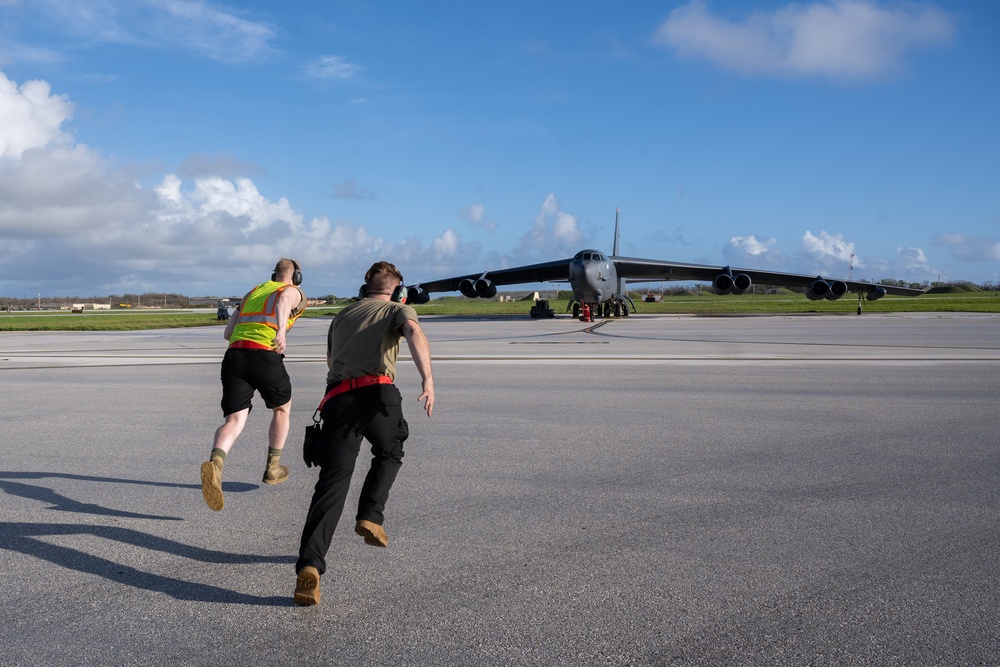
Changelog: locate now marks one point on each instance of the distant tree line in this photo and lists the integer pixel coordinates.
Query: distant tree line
(125, 301)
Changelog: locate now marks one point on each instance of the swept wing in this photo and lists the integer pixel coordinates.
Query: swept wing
(645, 270)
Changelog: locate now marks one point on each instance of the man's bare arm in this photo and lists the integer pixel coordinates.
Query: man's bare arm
(420, 350)
(231, 324)
(287, 300)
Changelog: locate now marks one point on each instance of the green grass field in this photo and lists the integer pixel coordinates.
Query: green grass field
(703, 304)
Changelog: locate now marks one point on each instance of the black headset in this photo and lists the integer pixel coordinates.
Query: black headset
(398, 295)
(296, 274)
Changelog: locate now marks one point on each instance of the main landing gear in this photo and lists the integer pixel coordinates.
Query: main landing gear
(590, 311)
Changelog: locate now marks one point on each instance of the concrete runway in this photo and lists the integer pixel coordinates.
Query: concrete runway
(657, 490)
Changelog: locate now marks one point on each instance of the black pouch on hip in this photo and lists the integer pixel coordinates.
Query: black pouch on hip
(310, 444)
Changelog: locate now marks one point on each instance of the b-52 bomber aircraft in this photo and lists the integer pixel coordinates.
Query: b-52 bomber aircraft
(599, 281)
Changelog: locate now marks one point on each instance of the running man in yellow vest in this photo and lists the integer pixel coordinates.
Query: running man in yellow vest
(254, 362)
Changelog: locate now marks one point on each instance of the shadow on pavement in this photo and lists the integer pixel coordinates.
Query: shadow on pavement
(29, 539)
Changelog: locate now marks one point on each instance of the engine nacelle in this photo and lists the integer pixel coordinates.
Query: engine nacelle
(485, 289)
(468, 288)
(417, 296)
(875, 293)
(838, 288)
(818, 289)
(725, 283)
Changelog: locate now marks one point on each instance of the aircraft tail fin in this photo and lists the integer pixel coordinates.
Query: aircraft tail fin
(614, 250)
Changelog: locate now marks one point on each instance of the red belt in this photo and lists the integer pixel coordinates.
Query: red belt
(248, 345)
(354, 383)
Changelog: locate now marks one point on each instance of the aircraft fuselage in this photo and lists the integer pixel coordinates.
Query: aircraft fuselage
(593, 277)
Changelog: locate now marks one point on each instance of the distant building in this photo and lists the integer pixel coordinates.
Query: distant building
(518, 295)
(212, 301)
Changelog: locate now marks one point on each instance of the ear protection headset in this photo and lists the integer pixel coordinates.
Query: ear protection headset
(296, 274)
(398, 295)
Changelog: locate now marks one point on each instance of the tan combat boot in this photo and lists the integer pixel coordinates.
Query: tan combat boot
(307, 587)
(211, 483)
(274, 473)
(373, 533)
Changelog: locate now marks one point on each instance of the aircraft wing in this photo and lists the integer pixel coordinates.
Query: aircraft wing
(631, 269)
(645, 270)
(557, 270)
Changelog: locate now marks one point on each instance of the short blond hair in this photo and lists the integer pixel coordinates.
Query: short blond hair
(286, 267)
(382, 277)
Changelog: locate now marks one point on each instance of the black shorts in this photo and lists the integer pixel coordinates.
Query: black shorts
(245, 371)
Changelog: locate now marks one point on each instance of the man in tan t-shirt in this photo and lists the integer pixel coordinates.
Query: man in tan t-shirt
(361, 401)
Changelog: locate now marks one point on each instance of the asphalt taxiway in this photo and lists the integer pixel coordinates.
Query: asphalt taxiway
(654, 490)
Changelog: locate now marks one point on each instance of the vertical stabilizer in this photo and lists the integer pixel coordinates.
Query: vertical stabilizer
(614, 253)
(614, 250)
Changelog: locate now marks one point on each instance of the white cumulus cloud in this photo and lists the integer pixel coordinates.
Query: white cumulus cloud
(476, 214)
(445, 246)
(828, 246)
(553, 232)
(915, 263)
(74, 223)
(30, 117)
(840, 39)
(748, 251)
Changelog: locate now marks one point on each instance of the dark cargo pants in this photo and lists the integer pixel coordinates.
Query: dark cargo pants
(374, 413)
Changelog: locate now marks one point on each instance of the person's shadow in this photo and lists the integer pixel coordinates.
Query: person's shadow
(24, 538)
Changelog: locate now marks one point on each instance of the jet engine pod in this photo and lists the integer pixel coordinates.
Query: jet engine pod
(741, 283)
(817, 289)
(485, 289)
(875, 293)
(468, 288)
(723, 283)
(838, 288)
(417, 295)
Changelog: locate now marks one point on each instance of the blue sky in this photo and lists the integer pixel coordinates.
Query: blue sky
(184, 146)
